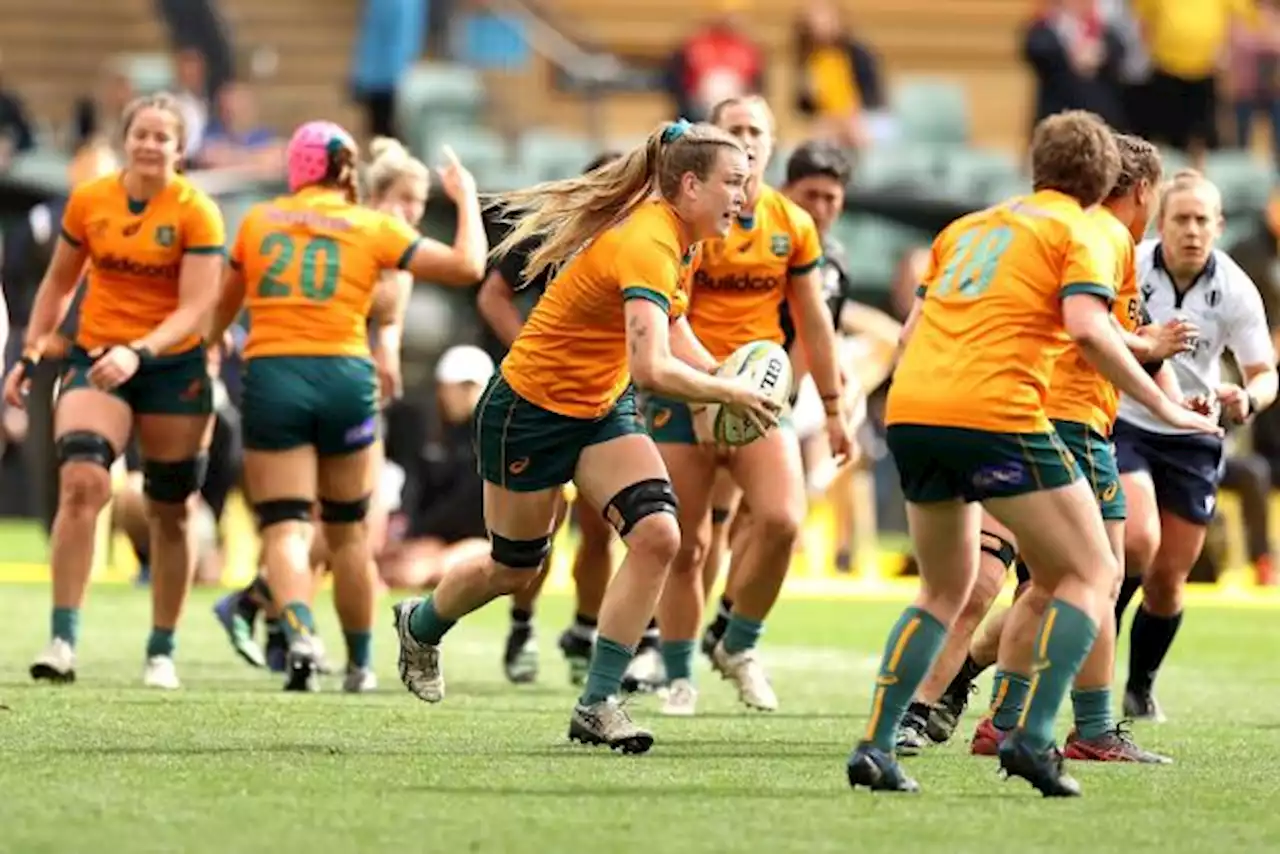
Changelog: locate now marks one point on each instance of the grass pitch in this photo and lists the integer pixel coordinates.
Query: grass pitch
(230, 763)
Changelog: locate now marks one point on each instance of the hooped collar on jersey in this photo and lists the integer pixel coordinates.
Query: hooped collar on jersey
(1206, 273)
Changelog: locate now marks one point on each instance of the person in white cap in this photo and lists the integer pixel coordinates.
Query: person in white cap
(443, 499)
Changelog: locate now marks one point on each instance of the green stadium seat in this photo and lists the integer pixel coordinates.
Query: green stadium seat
(874, 246)
(486, 154)
(930, 110)
(434, 95)
(148, 72)
(1245, 180)
(1172, 160)
(978, 174)
(898, 165)
(554, 155)
(43, 166)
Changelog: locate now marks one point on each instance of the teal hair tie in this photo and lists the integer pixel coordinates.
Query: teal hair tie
(674, 131)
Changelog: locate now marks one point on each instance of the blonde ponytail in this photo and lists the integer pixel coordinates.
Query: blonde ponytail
(565, 215)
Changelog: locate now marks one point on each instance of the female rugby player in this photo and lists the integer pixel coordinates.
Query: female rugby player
(154, 246)
(562, 407)
(308, 266)
(967, 424)
(772, 252)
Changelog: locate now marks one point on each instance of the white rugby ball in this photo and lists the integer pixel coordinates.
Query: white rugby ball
(764, 366)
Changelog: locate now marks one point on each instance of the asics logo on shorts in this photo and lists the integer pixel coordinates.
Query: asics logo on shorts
(1109, 492)
(661, 417)
(518, 466)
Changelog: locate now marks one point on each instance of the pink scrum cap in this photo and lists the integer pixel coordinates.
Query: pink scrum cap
(310, 149)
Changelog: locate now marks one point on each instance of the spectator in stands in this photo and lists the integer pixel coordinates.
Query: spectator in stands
(718, 62)
(16, 133)
(198, 26)
(1253, 78)
(1186, 39)
(191, 88)
(390, 41)
(838, 77)
(1076, 56)
(445, 503)
(235, 139)
(97, 116)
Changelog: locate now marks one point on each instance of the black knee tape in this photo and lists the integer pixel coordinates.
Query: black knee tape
(172, 483)
(1022, 572)
(638, 500)
(282, 510)
(85, 446)
(719, 515)
(344, 512)
(519, 554)
(999, 548)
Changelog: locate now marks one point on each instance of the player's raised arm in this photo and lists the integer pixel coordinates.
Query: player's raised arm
(199, 278)
(461, 264)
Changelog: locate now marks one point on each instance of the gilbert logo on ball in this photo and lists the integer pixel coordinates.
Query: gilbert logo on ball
(764, 366)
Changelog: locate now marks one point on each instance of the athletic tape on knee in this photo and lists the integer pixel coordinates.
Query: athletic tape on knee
(173, 482)
(644, 498)
(999, 548)
(85, 446)
(519, 554)
(282, 510)
(344, 512)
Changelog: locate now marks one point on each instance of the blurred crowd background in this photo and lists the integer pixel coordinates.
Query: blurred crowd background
(934, 99)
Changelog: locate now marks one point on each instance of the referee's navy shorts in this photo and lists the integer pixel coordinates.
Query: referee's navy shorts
(1186, 470)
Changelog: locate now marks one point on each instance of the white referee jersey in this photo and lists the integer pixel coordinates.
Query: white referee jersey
(1223, 303)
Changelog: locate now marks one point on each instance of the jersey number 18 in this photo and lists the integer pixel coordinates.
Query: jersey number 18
(974, 260)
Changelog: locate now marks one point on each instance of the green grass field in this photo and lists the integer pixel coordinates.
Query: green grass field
(232, 764)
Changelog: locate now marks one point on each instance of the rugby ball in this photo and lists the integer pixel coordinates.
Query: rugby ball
(764, 366)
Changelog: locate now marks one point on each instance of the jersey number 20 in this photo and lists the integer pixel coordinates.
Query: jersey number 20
(974, 260)
(318, 274)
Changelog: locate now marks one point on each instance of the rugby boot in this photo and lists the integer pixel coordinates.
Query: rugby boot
(1043, 769)
(876, 770)
(1115, 745)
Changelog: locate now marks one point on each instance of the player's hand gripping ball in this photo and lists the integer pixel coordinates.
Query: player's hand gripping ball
(765, 367)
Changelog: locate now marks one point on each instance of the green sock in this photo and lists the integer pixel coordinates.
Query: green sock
(359, 648)
(677, 659)
(160, 642)
(1092, 707)
(65, 624)
(742, 633)
(609, 662)
(909, 652)
(296, 620)
(1065, 638)
(1008, 697)
(426, 625)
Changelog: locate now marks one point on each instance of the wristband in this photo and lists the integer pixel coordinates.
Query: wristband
(143, 353)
